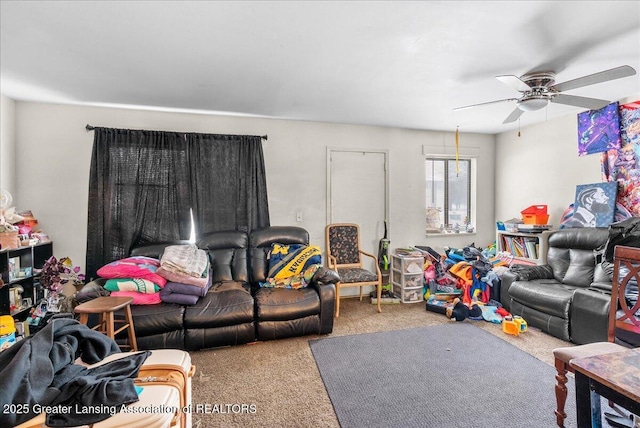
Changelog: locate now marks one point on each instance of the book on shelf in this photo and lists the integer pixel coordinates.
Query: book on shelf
(521, 246)
(532, 251)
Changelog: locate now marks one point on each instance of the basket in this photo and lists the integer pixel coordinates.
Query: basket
(9, 240)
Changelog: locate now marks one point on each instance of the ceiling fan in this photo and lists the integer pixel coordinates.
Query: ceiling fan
(539, 88)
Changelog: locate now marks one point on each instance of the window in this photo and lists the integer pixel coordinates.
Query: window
(449, 194)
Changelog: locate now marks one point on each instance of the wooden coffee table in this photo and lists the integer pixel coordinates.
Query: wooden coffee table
(615, 376)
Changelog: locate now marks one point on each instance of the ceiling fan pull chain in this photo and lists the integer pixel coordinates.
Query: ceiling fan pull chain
(519, 127)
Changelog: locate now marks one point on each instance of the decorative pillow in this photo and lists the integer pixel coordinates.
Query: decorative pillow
(295, 281)
(133, 267)
(131, 284)
(139, 298)
(290, 260)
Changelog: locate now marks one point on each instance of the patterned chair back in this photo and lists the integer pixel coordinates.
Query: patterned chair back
(343, 243)
(624, 311)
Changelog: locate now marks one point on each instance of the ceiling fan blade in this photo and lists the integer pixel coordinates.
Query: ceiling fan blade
(514, 82)
(484, 104)
(513, 116)
(572, 100)
(591, 79)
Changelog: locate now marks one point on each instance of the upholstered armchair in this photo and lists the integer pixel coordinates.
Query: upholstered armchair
(345, 256)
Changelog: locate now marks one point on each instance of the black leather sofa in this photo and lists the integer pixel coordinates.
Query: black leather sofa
(568, 296)
(236, 309)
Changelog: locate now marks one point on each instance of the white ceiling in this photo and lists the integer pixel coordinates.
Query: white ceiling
(402, 64)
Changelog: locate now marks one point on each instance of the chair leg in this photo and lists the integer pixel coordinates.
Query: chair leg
(337, 300)
(561, 391)
(379, 287)
(110, 320)
(133, 343)
(361, 287)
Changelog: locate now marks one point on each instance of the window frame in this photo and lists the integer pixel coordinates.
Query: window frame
(471, 187)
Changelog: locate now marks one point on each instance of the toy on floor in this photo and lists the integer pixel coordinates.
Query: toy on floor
(460, 311)
(514, 325)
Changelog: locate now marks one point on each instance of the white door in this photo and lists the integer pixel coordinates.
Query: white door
(358, 193)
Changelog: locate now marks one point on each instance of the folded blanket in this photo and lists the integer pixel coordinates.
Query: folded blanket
(186, 258)
(131, 284)
(133, 267)
(180, 299)
(139, 298)
(296, 281)
(290, 260)
(188, 289)
(183, 278)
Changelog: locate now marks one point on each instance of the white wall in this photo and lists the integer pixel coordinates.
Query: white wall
(542, 166)
(54, 151)
(7, 144)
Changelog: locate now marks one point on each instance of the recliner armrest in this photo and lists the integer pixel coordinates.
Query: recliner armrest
(324, 281)
(601, 286)
(521, 273)
(325, 276)
(508, 278)
(529, 273)
(92, 290)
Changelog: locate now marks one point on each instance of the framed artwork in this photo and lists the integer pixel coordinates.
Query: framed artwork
(599, 130)
(622, 165)
(595, 205)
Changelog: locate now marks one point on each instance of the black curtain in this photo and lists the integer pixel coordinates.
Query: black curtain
(228, 183)
(144, 184)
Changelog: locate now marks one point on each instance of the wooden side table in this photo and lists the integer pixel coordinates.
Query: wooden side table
(615, 376)
(106, 307)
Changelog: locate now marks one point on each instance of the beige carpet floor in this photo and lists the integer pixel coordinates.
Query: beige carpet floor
(277, 384)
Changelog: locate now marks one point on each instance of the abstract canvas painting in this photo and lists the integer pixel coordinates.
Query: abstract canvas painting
(599, 130)
(594, 205)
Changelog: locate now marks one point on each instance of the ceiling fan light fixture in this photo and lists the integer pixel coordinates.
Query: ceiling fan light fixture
(532, 104)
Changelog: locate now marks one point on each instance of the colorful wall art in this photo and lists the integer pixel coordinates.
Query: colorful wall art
(599, 130)
(622, 165)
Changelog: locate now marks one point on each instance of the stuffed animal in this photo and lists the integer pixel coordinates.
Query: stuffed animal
(459, 311)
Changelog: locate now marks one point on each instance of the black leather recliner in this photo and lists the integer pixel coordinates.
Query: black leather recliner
(236, 309)
(569, 296)
(282, 312)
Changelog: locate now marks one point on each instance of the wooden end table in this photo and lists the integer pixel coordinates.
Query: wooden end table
(615, 376)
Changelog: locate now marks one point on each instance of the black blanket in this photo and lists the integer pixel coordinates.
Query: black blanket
(41, 371)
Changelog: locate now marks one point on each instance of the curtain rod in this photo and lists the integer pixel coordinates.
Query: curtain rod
(91, 128)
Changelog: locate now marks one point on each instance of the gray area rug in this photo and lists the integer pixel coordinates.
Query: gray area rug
(452, 375)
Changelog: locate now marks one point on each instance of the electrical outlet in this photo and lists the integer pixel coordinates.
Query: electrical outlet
(299, 216)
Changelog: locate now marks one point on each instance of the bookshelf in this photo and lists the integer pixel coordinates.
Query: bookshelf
(20, 268)
(530, 247)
